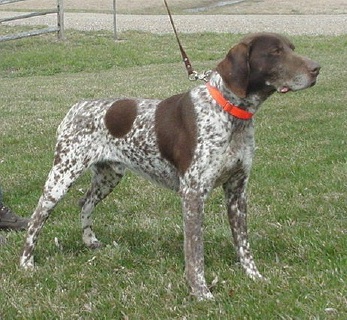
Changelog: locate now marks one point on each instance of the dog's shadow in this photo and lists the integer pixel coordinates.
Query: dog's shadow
(139, 247)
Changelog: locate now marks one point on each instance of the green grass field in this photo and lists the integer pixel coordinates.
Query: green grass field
(297, 191)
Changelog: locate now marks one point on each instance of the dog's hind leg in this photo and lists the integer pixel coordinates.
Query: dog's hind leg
(235, 195)
(66, 169)
(105, 177)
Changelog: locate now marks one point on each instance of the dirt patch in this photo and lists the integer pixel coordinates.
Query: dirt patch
(193, 6)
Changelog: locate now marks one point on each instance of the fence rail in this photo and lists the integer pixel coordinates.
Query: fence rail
(60, 22)
(9, 1)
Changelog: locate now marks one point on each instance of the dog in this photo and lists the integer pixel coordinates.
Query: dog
(191, 142)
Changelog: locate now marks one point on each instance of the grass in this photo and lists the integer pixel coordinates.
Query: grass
(297, 191)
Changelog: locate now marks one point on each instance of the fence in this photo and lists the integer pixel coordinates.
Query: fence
(60, 22)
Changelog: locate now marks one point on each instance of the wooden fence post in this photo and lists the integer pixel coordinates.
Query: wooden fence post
(60, 19)
(114, 21)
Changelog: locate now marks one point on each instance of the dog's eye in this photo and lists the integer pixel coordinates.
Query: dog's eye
(276, 51)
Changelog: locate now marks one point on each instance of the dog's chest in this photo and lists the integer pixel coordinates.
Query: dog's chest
(236, 164)
(234, 159)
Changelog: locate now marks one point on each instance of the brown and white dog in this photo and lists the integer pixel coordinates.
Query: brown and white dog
(191, 143)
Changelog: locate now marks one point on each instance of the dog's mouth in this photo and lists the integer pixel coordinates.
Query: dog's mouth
(280, 89)
(284, 89)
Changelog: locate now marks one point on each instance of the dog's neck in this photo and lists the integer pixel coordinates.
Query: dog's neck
(250, 103)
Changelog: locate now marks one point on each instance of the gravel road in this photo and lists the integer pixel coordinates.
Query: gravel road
(288, 24)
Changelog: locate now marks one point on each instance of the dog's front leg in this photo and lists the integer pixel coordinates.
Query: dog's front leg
(235, 195)
(193, 212)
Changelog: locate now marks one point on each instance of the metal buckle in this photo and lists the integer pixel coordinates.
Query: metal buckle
(204, 76)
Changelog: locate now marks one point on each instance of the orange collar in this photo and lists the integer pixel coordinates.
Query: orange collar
(227, 105)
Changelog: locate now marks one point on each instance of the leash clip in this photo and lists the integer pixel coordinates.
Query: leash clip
(203, 76)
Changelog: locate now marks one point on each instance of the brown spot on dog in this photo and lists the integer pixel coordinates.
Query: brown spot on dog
(175, 127)
(120, 117)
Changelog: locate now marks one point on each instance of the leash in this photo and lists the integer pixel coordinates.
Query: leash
(192, 74)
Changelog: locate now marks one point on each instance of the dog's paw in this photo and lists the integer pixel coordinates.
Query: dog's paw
(204, 296)
(90, 240)
(95, 245)
(27, 263)
(255, 275)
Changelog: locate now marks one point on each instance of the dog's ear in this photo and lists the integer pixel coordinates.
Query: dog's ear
(234, 69)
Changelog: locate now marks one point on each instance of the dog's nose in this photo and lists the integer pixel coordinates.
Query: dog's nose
(314, 68)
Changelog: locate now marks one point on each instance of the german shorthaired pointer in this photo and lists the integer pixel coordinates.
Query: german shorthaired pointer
(191, 143)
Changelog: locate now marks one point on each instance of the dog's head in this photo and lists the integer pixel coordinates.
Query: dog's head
(265, 63)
